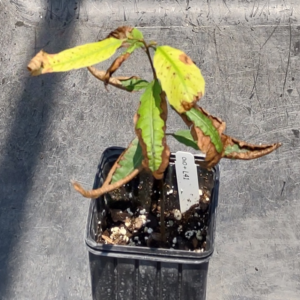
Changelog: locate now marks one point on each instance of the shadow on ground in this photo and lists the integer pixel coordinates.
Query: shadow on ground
(24, 141)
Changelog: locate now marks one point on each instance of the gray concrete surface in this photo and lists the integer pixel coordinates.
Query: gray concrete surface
(54, 128)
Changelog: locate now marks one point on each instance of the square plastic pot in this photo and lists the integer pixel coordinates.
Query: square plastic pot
(143, 273)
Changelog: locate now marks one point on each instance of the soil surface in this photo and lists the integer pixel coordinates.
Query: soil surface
(126, 220)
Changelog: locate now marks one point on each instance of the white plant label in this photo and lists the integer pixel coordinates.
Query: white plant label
(187, 180)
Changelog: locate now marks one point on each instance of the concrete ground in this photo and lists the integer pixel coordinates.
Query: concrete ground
(54, 128)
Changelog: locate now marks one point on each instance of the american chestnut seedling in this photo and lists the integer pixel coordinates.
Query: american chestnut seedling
(176, 79)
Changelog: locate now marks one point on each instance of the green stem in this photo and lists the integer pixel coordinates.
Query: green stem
(150, 59)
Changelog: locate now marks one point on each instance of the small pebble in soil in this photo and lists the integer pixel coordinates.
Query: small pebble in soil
(129, 211)
(122, 231)
(174, 240)
(114, 229)
(177, 214)
(150, 230)
(170, 192)
(142, 212)
(189, 234)
(170, 223)
(199, 235)
(127, 222)
(179, 229)
(144, 219)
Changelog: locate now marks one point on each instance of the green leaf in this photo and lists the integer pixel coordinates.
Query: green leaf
(74, 58)
(131, 160)
(134, 40)
(134, 84)
(151, 125)
(185, 137)
(206, 126)
(180, 78)
(136, 34)
(234, 149)
(134, 45)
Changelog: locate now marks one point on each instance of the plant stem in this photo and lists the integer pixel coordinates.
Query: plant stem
(162, 212)
(150, 59)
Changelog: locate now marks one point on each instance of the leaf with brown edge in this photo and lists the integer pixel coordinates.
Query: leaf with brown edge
(235, 149)
(150, 124)
(205, 123)
(74, 58)
(180, 78)
(127, 166)
(130, 161)
(206, 133)
(232, 148)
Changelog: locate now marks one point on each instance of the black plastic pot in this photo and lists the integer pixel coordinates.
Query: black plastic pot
(143, 273)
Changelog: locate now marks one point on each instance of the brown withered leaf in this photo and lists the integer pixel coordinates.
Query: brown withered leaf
(114, 66)
(120, 33)
(114, 81)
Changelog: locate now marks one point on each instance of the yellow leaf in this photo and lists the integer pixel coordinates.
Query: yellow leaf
(74, 58)
(180, 78)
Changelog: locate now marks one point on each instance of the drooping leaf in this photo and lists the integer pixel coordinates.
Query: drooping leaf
(231, 147)
(74, 58)
(129, 84)
(150, 128)
(185, 137)
(134, 84)
(180, 78)
(131, 160)
(115, 65)
(203, 122)
(236, 149)
(123, 169)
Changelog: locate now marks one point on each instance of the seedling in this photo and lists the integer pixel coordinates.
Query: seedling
(176, 79)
